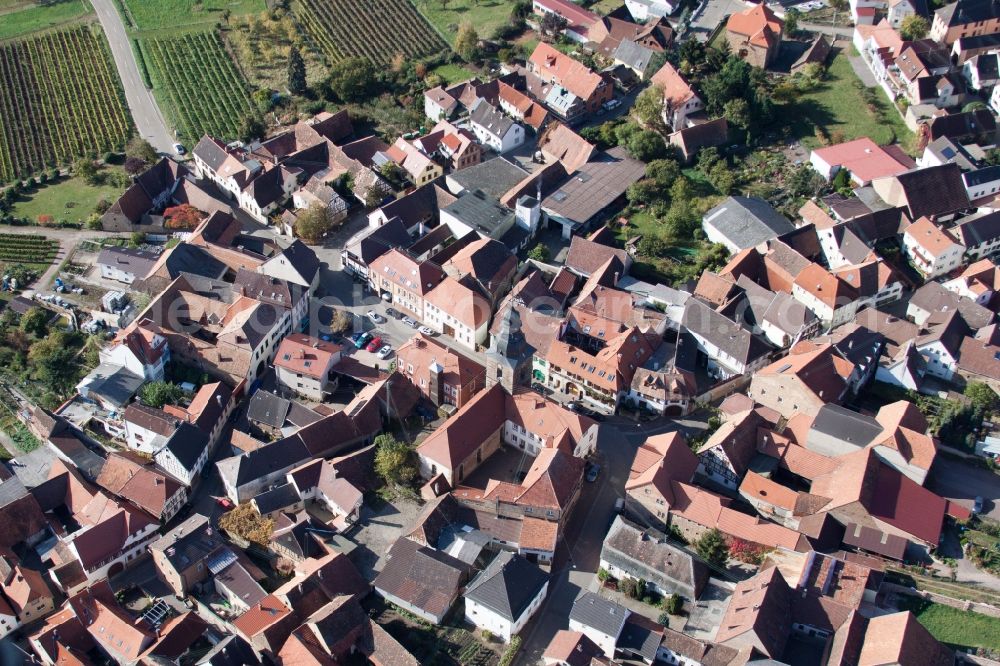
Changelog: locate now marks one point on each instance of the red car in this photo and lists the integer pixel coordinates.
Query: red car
(374, 345)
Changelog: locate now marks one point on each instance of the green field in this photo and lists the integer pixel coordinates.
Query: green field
(452, 73)
(170, 14)
(485, 15)
(197, 84)
(837, 105)
(27, 18)
(69, 199)
(958, 628)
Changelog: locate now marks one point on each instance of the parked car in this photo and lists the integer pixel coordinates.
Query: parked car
(180, 149)
(375, 317)
(409, 321)
(592, 471)
(384, 351)
(375, 344)
(362, 340)
(394, 313)
(612, 104)
(387, 297)
(426, 331)
(977, 506)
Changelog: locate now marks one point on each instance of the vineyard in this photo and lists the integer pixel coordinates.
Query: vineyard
(61, 99)
(206, 93)
(27, 249)
(377, 29)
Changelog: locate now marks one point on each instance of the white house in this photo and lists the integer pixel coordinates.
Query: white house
(297, 264)
(505, 595)
(679, 98)
(495, 129)
(458, 311)
(643, 10)
(932, 251)
(123, 264)
(980, 234)
(982, 71)
(995, 100)
(303, 363)
(982, 182)
(599, 619)
(143, 352)
(864, 12)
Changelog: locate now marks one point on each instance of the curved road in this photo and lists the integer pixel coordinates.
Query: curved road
(145, 112)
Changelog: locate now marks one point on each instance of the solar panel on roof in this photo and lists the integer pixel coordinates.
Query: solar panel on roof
(221, 561)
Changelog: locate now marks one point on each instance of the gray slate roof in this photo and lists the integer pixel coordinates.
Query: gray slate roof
(491, 119)
(747, 221)
(267, 408)
(187, 444)
(128, 260)
(722, 332)
(647, 555)
(507, 585)
(495, 177)
(846, 425)
(480, 211)
(602, 614)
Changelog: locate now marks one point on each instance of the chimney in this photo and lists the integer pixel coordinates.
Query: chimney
(435, 388)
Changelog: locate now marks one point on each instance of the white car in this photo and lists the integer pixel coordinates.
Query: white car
(179, 149)
(384, 351)
(426, 331)
(409, 321)
(375, 317)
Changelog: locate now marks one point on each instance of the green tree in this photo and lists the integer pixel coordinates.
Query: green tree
(673, 604)
(313, 223)
(539, 253)
(141, 149)
(982, 396)
(394, 460)
(251, 127)
(296, 72)
(663, 173)
(467, 42)
(352, 79)
(136, 239)
(53, 362)
(977, 105)
(158, 394)
(87, 169)
(712, 548)
(792, 17)
(642, 192)
(35, 321)
(737, 112)
(914, 27)
(646, 146)
(649, 108)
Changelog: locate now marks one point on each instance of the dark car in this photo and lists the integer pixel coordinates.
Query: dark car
(592, 471)
(394, 313)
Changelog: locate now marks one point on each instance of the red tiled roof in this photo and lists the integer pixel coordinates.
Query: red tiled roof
(569, 73)
(759, 25)
(305, 355)
(863, 158)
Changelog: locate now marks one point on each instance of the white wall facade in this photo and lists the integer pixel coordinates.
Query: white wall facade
(496, 624)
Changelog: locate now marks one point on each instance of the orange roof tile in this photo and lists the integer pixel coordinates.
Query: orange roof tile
(305, 355)
(759, 25)
(933, 240)
(262, 615)
(569, 73)
(676, 91)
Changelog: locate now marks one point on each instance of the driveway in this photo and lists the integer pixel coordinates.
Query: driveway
(962, 483)
(145, 112)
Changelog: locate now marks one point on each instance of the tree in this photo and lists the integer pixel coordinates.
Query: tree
(251, 127)
(313, 223)
(649, 108)
(792, 17)
(394, 460)
(539, 253)
(982, 396)
(134, 166)
(136, 239)
(340, 322)
(646, 146)
(552, 24)
(141, 149)
(914, 27)
(351, 79)
(87, 169)
(53, 362)
(673, 604)
(737, 112)
(467, 42)
(712, 548)
(839, 5)
(634, 588)
(35, 321)
(664, 173)
(977, 105)
(296, 72)
(183, 217)
(158, 394)
(246, 522)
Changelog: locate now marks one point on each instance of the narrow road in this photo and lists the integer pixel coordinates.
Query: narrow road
(145, 112)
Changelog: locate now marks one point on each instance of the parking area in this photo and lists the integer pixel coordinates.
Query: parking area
(380, 525)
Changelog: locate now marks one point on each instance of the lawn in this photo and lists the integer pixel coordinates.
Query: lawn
(452, 73)
(69, 199)
(836, 104)
(958, 628)
(170, 14)
(485, 15)
(28, 18)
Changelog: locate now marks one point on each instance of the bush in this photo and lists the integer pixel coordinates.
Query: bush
(673, 604)
(511, 652)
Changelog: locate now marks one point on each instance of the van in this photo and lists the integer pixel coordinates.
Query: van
(611, 104)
